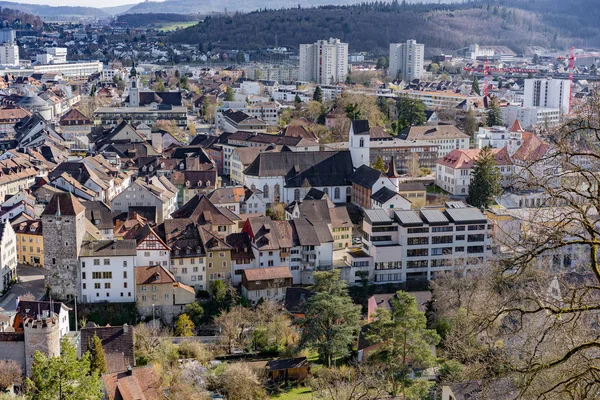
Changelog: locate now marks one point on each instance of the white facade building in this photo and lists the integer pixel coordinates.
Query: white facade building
(407, 59)
(531, 117)
(9, 54)
(324, 62)
(107, 271)
(8, 255)
(408, 245)
(547, 93)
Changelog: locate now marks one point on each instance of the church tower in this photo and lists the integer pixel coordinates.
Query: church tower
(64, 229)
(134, 90)
(359, 139)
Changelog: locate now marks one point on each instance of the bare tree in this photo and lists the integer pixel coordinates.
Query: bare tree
(11, 374)
(533, 315)
(361, 381)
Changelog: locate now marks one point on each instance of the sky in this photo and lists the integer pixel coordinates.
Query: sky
(83, 3)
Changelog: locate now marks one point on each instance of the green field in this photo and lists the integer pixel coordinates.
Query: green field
(302, 393)
(172, 26)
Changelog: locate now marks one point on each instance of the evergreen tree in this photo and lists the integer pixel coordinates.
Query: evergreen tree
(97, 356)
(380, 165)
(218, 290)
(405, 342)
(475, 86)
(353, 111)
(485, 181)
(411, 112)
(331, 318)
(229, 94)
(64, 377)
(494, 115)
(184, 326)
(195, 312)
(318, 94)
(297, 99)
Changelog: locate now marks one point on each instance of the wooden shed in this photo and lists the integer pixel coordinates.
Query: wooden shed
(296, 369)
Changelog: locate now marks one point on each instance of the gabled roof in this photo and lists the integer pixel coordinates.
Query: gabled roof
(227, 195)
(323, 168)
(212, 241)
(299, 131)
(141, 383)
(183, 237)
(465, 159)
(153, 275)
(365, 176)
(117, 342)
(108, 248)
(203, 211)
(265, 274)
(532, 149)
(516, 127)
(65, 203)
(74, 115)
(433, 133)
(384, 195)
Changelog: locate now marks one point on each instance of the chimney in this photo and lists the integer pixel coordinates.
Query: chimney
(125, 327)
(129, 370)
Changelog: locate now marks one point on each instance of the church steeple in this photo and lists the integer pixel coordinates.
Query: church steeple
(392, 172)
(133, 71)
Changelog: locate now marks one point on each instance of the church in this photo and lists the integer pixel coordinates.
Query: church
(138, 98)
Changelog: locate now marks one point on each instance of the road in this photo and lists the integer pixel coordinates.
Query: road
(31, 280)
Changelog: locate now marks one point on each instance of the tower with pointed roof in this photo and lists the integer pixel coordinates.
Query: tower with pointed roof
(64, 221)
(392, 174)
(134, 90)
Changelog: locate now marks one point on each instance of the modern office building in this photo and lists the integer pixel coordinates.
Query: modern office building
(8, 36)
(407, 59)
(324, 62)
(547, 93)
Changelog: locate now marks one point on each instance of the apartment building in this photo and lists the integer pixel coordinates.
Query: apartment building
(547, 93)
(324, 62)
(30, 242)
(107, 271)
(406, 59)
(531, 117)
(446, 137)
(408, 245)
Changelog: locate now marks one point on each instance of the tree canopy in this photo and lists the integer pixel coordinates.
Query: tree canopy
(411, 112)
(485, 180)
(64, 377)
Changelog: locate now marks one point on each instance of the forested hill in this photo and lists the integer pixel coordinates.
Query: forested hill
(372, 26)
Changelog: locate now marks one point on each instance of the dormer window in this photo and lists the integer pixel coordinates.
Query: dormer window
(187, 183)
(162, 164)
(144, 168)
(200, 183)
(151, 168)
(207, 183)
(181, 166)
(187, 251)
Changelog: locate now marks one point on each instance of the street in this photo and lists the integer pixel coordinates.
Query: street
(30, 280)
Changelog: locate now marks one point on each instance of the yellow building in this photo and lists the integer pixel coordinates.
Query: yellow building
(158, 294)
(218, 256)
(30, 242)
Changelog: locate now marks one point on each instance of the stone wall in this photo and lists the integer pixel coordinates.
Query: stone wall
(12, 347)
(43, 336)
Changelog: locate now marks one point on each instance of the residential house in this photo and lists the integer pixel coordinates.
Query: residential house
(453, 172)
(151, 249)
(8, 256)
(30, 242)
(415, 192)
(233, 121)
(131, 384)
(188, 258)
(268, 283)
(159, 295)
(194, 183)
(117, 342)
(372, 188)
(446, 137)
(100, 215)
(218, 255)
(157, 192)
(107, 271)
(200, 209)
(239, 200)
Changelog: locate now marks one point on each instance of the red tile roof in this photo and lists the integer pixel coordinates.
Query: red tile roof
(532, 149)
(465, 159)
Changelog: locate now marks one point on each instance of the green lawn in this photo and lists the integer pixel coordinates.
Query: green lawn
(294, 393)
(435, 189)
(175, 25)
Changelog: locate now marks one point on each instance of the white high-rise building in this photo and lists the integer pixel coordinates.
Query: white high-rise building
(325, 62)
(547, 93)
(9, 54)
(408, 59)
(7, 36)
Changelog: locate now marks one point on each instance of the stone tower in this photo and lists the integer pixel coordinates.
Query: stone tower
(43, 335)
(134, 90)
(64, 222)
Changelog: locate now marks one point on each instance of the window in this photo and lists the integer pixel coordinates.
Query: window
(266, 191)
(296, 194)
(184, 270)
(224, 264)
(96, 261)
(144, 298)
(270, 263)
(144, 288)
(166, 296)
(441, 239)
(476, 238)
(277, 191)
(222, 255)
(107, 285)
(460, 228)
(106, 275)
(124, 274)
(106, 261)
(417, 230)
(96, 275)
(84, 286)
(146, 254)
(83, 275)
(209, 265)
(96, 285)
(416, 252)
(124, 263)
(442, 229)
(153, 287)
(336, 193)
(417, 241)
(125, 285)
